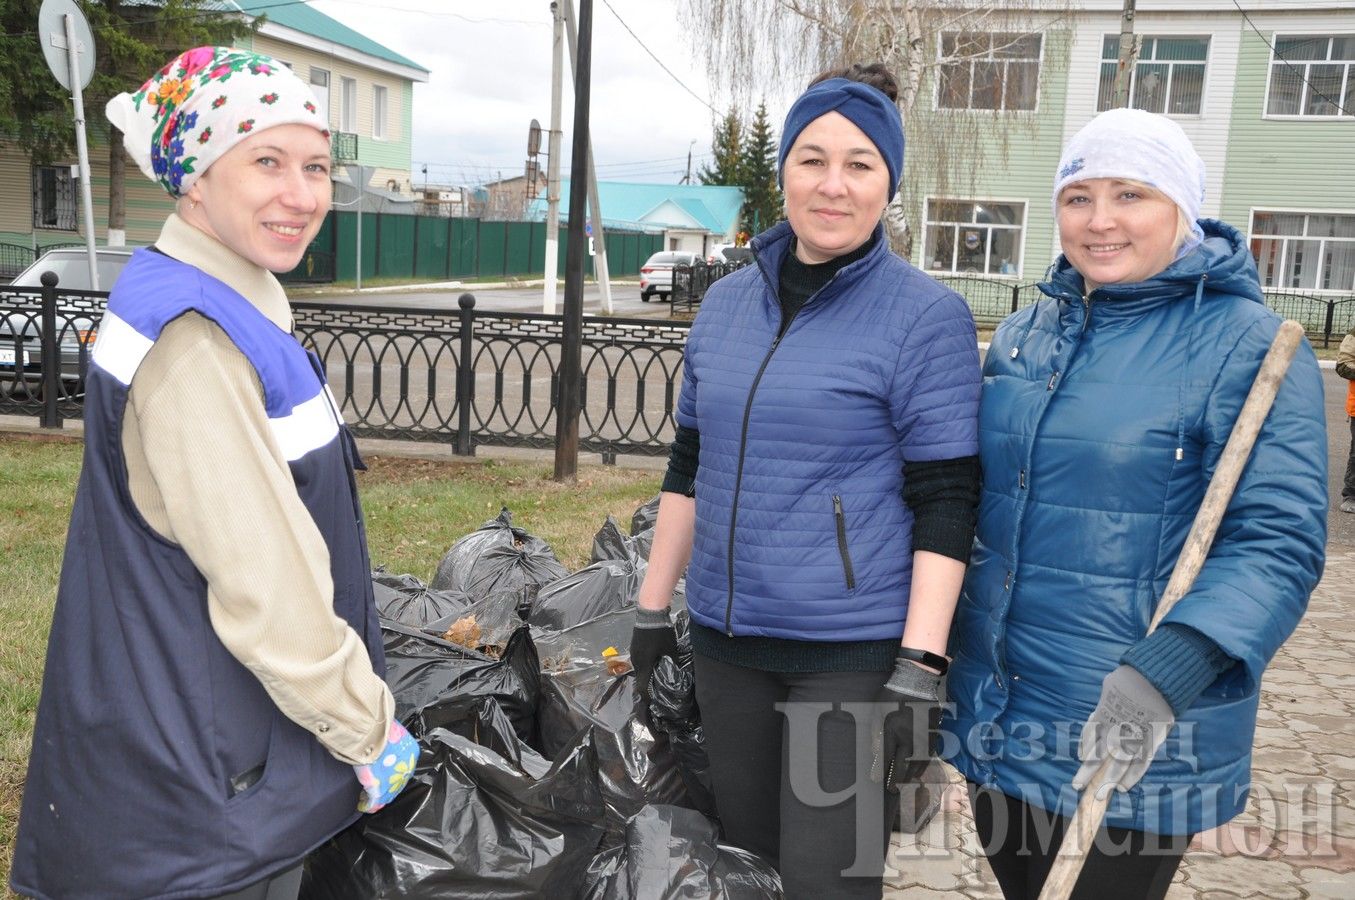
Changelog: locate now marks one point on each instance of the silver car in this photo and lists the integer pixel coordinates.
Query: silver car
(20, 331)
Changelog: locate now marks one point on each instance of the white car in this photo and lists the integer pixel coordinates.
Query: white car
(656, 275)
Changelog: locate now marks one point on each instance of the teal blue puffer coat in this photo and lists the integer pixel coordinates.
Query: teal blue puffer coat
(1101, 423)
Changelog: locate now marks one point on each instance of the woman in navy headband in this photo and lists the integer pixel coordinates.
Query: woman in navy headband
(823, 484)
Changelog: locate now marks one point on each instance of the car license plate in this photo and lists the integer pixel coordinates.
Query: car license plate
(7, 357)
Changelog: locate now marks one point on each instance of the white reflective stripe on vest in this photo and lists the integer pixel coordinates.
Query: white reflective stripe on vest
(119, 348)
(310, 425)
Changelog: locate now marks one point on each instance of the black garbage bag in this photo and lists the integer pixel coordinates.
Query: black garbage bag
(483, 817)
(644, 517)
(596, 589)
(426, 673)
(583, 690)
(672, 852)
(407, 600)
(497, 557)
(673, 711)
(610, 544)
(485, 625)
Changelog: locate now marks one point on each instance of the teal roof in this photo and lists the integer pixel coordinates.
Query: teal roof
(300, 17)
(707, 207)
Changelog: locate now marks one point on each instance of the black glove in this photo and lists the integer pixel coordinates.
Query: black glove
(653, 638)
(905, 730)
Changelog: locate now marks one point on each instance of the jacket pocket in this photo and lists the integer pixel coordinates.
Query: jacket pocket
(841, 519)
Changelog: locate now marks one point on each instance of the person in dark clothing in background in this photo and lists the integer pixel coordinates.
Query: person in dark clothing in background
(823, 485)
(1345, 367)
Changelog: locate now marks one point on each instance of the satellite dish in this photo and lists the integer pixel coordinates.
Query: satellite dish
(52, 35)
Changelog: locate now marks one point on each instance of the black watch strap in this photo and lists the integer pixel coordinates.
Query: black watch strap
(927, 658)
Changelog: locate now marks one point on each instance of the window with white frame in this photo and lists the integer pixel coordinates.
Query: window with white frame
(1167, 78)
(980, 237)
(54, 198)
(348, 104)
(1307, 251)
(378, 111)
(981, 70)
(320, 87)
(1312, 75)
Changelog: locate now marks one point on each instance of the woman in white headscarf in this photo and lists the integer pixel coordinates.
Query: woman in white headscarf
(212, 705)
(1105, 409)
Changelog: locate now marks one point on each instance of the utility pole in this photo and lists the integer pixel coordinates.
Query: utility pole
(571, 352)
(1128, 51)
(553, 162)
(599, 238)
(688, 179)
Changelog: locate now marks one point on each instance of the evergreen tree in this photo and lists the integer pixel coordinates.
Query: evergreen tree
(762, 204)
(132, 38)
(725, 146)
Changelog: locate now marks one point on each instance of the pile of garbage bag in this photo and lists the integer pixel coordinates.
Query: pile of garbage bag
(542, 771)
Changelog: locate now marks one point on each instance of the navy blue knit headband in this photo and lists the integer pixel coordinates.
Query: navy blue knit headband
(866, 107)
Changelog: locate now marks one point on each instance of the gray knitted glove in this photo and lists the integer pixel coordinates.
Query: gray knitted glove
(904, 732)
(1128, 725)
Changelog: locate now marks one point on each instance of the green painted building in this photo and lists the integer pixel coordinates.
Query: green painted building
(1265, 92)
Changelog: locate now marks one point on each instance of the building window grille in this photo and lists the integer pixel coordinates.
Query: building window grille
(54, 198)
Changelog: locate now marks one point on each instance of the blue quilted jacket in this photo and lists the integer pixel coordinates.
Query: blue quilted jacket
(1102, 422)
(801, 531)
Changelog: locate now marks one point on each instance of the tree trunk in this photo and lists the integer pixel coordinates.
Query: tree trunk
(117, 189)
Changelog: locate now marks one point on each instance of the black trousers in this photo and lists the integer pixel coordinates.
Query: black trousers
(1022, 841)
(282, 886)
(1348, 489)
(793, 786)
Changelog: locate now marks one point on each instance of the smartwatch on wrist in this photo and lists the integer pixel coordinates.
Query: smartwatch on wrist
(927, 658)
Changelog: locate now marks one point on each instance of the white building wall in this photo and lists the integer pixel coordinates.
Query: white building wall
(1208, 131)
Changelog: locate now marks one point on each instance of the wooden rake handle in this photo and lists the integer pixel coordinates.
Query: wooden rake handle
(1091, 808)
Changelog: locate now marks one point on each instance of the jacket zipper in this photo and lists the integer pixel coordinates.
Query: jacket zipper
(743, 434)
(842, 542)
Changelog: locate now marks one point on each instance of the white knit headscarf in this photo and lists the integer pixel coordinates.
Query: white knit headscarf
(1138, 145)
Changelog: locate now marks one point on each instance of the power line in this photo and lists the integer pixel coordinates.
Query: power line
(704, 101)
(1277, 55)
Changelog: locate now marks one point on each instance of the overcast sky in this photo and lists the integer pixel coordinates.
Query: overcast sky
(490, 75)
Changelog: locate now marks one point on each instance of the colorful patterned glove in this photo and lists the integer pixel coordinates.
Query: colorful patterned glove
(383, 779)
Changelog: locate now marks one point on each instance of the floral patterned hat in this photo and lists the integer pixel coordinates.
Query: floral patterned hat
(203, 103)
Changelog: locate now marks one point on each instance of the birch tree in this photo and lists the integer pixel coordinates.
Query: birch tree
(967, 81)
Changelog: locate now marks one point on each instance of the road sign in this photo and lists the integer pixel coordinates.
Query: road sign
(52, 34)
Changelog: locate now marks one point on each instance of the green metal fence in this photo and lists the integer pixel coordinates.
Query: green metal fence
(436, 248)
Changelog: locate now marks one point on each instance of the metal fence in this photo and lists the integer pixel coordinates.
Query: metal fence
(403, 373)
(691, 282)
(464, 377)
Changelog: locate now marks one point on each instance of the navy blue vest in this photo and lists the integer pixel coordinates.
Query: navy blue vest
(146, 719)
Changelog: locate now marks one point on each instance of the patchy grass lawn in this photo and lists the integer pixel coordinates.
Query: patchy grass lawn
(415, 510)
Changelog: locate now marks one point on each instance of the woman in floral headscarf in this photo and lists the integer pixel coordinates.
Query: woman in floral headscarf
(212, 706)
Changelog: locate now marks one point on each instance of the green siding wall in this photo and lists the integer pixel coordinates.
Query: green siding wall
(1282, 163)
(1027, 169)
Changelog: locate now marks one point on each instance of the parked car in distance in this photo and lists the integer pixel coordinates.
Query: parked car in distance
(20, 333)
(656, 275)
